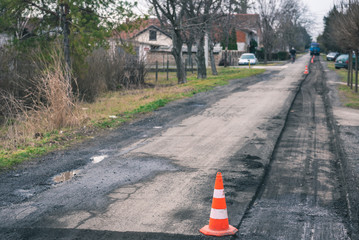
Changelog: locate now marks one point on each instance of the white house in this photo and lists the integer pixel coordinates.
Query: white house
(151, 38)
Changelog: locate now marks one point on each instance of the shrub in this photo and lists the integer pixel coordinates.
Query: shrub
(105, 71)
(49, 104)
(282, 56)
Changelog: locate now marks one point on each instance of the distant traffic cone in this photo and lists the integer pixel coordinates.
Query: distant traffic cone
(218, 220)
(312, 60)
(306, 70)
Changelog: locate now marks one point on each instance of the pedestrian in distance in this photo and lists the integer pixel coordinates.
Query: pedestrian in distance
(292, 54)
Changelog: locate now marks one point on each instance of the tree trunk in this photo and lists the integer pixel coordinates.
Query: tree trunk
(265, 55)
(356, 71)
(190, 42)
(177, 54)
(211, 56)
(189, 54)
(351, 68)
(350, 64)
(201, 68)
(66, 32)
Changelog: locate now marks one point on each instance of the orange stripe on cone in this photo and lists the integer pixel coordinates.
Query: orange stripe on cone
(218, 220)
(306, 70)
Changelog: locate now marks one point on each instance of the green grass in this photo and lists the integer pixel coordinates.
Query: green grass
(190, 88)
(10, 158)
(348, 96)
(125, 106)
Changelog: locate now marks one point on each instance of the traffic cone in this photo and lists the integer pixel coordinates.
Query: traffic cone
(218, 220)
(312, 60)
(306, 70)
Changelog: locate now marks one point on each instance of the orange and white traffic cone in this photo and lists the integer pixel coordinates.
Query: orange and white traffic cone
(312, 60)
(306, 70)
(218, 220)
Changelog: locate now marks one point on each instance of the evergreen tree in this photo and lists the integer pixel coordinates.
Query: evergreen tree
(232, 42)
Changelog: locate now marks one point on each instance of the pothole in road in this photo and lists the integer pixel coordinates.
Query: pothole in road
(65, 176)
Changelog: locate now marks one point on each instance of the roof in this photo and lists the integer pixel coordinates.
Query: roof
(137, 27)
(152, 27)
(246, 21)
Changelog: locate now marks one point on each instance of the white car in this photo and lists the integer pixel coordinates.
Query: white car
(247, 58)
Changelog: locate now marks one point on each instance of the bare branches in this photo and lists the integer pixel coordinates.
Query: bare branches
(342, 26)
(173, 11)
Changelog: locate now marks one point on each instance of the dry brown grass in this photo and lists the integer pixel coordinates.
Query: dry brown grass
(53, 107)
(117, 103)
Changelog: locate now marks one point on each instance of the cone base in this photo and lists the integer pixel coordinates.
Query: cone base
(209, 232)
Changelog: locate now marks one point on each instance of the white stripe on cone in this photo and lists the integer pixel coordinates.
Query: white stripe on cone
(218, 213)
(218, 193)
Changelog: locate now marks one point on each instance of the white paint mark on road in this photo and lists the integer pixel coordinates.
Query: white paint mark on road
(97, 159)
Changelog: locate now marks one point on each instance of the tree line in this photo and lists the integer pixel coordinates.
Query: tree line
(82, 27)
(341, 33)
(282, 22)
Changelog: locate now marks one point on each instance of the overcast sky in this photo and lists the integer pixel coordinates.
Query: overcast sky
(318, 9)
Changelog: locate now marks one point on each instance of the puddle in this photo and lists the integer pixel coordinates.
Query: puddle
(65, 176)
(97, 159)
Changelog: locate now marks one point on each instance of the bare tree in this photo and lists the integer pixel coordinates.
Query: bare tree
(211, 44)
(291, 20)
(200, 13)
(189, 39)
(228, 10)
(242, 6)
(268, 11)
(346, 26)
(171, 14)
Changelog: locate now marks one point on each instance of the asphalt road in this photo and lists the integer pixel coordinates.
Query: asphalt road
(154, 178)
(301, 195)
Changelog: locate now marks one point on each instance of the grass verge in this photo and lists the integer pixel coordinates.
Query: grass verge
(348, 96)
(115, 108)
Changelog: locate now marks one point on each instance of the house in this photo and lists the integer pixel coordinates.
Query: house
(152, 39)
(247, 28)
(154, 44)
(147, 37)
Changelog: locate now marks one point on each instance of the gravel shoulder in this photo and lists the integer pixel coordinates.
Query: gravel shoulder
(346, 129)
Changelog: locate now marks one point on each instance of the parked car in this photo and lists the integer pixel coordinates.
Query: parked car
(343, 60)
(332, 56)
(247, 58)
